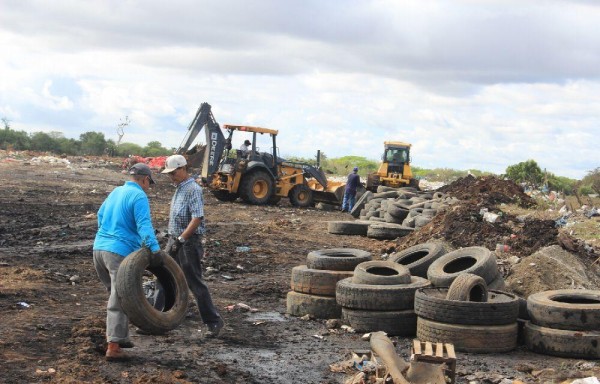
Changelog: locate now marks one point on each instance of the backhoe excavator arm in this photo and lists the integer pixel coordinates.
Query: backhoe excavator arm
(215, 141)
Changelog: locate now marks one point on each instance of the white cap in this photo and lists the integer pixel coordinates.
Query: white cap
(174, 162)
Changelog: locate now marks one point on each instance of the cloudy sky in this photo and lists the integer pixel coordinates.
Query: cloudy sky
(471, 84)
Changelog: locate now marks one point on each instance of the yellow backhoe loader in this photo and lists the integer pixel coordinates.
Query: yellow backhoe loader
(394, 170)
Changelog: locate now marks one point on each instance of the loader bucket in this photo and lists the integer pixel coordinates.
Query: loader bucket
(333, 194)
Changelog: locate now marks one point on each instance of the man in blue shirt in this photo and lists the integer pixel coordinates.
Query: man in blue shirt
(124, 226)
(350, 191)
(186, 227)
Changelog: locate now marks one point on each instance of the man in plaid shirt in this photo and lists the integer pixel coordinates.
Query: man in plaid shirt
(186, 227)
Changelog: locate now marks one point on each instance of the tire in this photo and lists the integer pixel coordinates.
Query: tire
(385, 188)
(337, 259)
(419, 257)
(562, 342)
(386, 195)
(316, 281)
(414, 183)
(501, 308)
(301, 196)
(381, 273)
(421, 221)
(222, 195)
(141, 313)
(321, 307)
(387, 231)
(397, 211)
(360, 203)
(347, 228)
(394, 323)
(470, 338)
(571, 309)
(391, 219)
(274, 200)
(476, 260)
(468, 287)
(256, 188)
(378, 297)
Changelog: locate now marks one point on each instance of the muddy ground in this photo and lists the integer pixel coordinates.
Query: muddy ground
(53, 305)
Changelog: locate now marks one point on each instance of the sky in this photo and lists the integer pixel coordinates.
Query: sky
(471, 84)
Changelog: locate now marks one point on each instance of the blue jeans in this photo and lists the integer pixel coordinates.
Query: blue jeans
(348, 202)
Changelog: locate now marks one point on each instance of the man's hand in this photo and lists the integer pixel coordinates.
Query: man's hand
(174, 248)
(156, 259)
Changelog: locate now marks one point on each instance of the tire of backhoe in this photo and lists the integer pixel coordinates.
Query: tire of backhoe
(222, 195)
(248, 184)
(379, 272)
(397, 211)
(320, 307)
(387, 231)
(468, 287)
(129, 287)
(419, 257)
(562, 342)
(316, 281)
(378, 297)
(470, 338)
(347, 228)
(570, 309)
(301, 196)
(360, 203)
(394, 323)
(337, 259)
(501, 308)
(476, 260)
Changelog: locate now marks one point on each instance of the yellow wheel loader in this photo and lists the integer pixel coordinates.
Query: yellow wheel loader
(394, 170)
(256, 177)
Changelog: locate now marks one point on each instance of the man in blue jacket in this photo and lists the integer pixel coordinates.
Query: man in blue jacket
(124, 226)
(350, 191)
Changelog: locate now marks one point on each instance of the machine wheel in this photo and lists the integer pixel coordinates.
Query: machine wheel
(256, 188)
(414, 183)
(301, 196)
(225, 195)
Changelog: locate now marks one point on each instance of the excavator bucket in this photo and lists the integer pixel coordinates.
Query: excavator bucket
(332, 194)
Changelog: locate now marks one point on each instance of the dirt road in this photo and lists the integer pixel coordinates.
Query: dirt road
(53, 305)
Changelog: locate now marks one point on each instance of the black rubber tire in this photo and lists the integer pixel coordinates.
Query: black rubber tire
(571, 309)
(387, 231)
(394, 323)
(360, 203)
(129, 286)
(476, 260)
(562, 342)
(470, 338)
(501, 308)
(316, 281)
(222, 195)
(337, 259)
(419, 257)
(256, 187)
(397, 211)
(385, 188)
(378, 272)
(468, 287)
(414, 183)
(320, 307)
(386, 195)
(378, 297)
(301, 196)
(421, 221)
(347, 228)
(391, 219)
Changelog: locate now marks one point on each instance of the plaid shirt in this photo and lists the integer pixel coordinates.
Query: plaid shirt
(187, 203)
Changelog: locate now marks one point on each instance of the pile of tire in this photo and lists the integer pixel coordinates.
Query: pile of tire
(468, 315)
(419, 257)
(564, 323)
(475, 260)
(314, 284)
(380, 297)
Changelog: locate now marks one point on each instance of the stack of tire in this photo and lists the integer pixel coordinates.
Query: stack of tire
(419, 257)
(564, 323)
(313, 285)
(468, 315)
(380, 297)
(476, 260)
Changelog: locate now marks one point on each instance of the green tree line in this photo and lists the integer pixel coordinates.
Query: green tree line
(89, 143)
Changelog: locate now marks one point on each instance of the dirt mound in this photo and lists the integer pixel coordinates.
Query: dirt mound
(487, 190)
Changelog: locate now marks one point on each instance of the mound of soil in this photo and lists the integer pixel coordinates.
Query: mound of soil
(487, 190)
